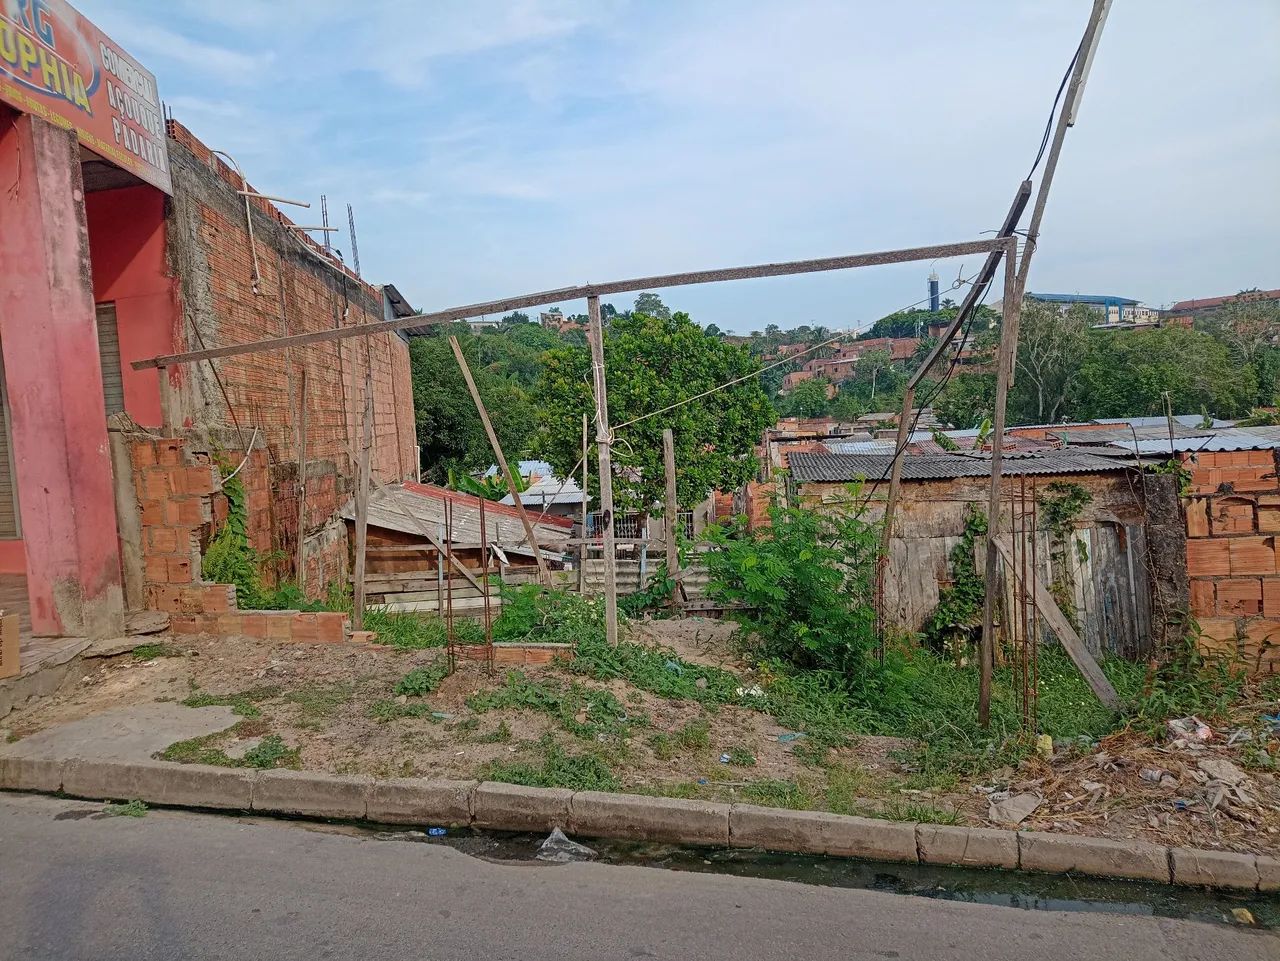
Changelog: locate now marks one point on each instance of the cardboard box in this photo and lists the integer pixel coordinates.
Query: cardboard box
(8, 644)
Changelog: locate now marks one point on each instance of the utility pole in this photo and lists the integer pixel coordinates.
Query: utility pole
(1012, 309)
(582, 549)
(604, 443)
(672, 511)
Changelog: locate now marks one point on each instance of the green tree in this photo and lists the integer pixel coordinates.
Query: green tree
(448, 426)
(807, 399)
(1127, 373)
(967, 400)
(652, 306)
(713, 330)
(1051, 347)
(653, 362)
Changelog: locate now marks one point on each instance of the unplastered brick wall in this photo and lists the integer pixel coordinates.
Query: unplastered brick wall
(300, 289)
(178, 485)
(1233, 532)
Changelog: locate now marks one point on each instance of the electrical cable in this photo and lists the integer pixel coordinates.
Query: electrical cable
(1053, 110)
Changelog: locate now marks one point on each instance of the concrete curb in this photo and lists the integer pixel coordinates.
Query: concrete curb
(511, 807)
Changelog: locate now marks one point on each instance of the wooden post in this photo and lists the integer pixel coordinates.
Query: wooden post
(672, 510)
(890, 507)
(582, 551)
(543, 572)
(1010, 316)
(302, 483)
(362, 502)
(604, 441)
(1012, 309)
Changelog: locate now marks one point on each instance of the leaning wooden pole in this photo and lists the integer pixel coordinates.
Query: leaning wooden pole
(604, 443)
(1014, 287)
(544, 572)
(672, 511)
(362, 502)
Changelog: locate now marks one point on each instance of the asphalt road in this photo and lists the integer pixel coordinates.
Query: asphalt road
(176, 885)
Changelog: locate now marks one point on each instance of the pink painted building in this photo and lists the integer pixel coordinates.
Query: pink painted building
(123, 238)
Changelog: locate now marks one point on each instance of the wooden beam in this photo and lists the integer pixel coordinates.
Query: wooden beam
(1071, 643)
(362, 501)
(512, 487)
(604, 443)
(449, 315)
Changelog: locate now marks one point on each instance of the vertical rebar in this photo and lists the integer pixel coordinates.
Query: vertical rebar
(484, 580)
(1035, 611)
(448, 584)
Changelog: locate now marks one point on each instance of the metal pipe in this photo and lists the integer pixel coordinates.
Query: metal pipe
(257, 196)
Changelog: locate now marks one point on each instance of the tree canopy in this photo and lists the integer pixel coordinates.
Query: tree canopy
(653, 362)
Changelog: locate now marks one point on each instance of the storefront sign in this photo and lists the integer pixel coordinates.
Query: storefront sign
(57, 65)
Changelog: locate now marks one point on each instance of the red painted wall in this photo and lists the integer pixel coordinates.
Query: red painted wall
(50, 343)
(127, 251)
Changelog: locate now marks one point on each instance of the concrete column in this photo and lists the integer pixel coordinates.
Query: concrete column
(50, 346)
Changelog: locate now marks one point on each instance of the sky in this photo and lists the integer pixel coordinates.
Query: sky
(494, 148)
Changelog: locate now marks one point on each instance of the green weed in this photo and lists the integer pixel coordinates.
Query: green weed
(900, 810)
(555, 768)
(424, 680)
(319, 702)
(243, 703)
(129, 809)
(740, 757)
(149, 652)
(695, 735)
(389, 710)
(271, 752)
(410, 631)
(779, 794)
(585, 712)
(656, 670)
(499, 735)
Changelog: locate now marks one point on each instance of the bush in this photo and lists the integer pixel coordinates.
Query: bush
(548, 616)
(808, 584)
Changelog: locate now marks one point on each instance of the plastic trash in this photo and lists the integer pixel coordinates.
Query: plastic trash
(675, 667)
(558, 849)
(437, 832)
(1044, 746)
(790, 736)
(1191, 728)
(724, 759)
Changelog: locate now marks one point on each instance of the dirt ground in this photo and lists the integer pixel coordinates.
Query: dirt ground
(338, 708)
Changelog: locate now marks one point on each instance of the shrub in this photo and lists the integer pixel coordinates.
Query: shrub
(808, 584)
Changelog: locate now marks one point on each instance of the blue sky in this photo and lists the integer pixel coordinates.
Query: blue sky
(493, 148)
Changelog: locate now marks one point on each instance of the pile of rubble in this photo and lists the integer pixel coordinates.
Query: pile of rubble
(1193, 785)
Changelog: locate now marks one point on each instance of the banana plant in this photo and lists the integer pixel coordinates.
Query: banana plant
(491, 488)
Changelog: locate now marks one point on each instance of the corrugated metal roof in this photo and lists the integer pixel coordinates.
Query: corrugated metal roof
(419, 509)
(861, 446)
(1159, 420)
(1227, 440)
(843, 468)
(548, 490)
(1108, 435)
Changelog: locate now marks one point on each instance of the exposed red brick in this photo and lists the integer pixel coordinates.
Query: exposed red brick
(1252, 555)
(1232, 516)
(1240, 596)
(1269, 519)
(1198, 517)
(1207, 558)
(1202, 600)
(1271, 597)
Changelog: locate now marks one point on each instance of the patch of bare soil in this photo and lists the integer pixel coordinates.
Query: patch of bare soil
(337, 706)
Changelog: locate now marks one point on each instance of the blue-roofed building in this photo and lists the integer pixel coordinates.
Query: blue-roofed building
(1116, 311)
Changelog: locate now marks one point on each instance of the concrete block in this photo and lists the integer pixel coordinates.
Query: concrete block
(813, 832)
(31, 773)
(1268, 873)
(157, 782)
(635, 817)
(1064, 854)
(1214, 869)
(972, 847)
(311, 793)
(420, 801)
(513, 807)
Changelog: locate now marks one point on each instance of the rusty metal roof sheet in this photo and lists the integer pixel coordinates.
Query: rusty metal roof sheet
(843, 468)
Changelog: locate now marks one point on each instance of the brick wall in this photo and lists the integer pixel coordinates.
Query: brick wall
(178, 491)
(1233, 526)
(300, 289)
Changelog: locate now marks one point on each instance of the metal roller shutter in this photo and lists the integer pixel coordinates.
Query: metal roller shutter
(109, 352)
